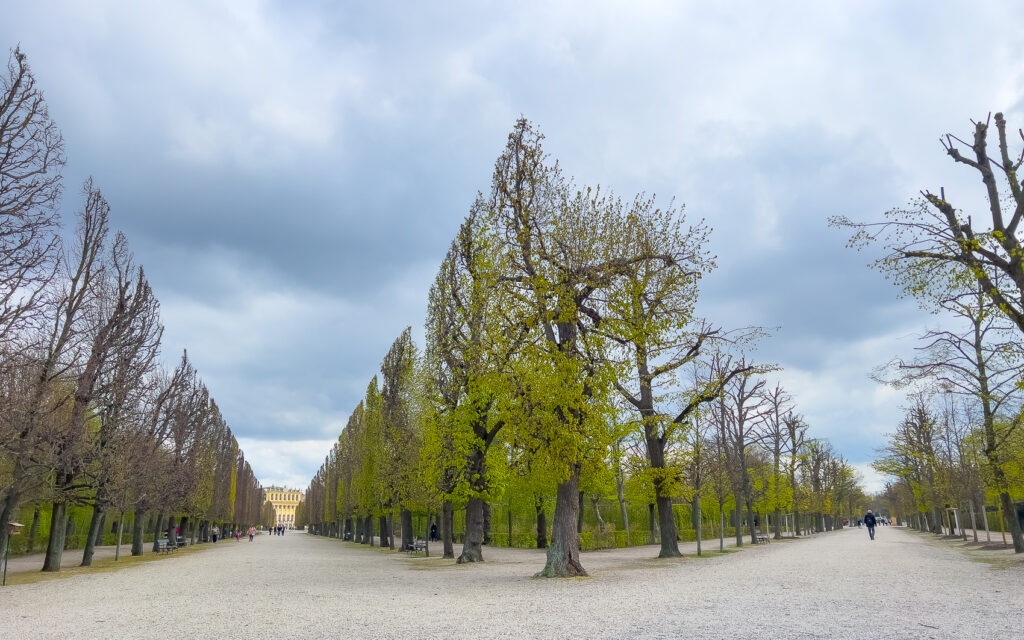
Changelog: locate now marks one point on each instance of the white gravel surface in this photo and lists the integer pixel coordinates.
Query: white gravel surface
(902, 585)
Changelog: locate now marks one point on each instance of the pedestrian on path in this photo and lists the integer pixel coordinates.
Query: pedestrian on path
(869, 520)
(252, 533)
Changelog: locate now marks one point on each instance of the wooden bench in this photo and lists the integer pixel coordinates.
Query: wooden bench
(761, 538)
(163, 545)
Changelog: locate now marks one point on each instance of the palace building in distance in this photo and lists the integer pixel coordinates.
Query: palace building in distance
(284, 502)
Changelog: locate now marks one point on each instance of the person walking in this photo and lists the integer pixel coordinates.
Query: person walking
(252, 533)
(869, 520)
(216, 532)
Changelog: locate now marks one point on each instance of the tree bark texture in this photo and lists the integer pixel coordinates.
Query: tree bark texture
(472, 546)
(447, 521)
(408, 537)
(563, 557)
(58, 530)
(95, 531)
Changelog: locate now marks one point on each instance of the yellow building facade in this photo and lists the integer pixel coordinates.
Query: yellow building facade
(284, 501)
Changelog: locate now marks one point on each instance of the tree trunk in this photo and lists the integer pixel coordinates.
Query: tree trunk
(1010, 513)
(699, 529)
(58, 531)
(95, 531)
(408, 537)
(472, 546)
(721, 527)
(750, 522)
(739, 524)
(369, 529)
(69, 529)
(33, 532)
(563, 556)
(487, 522)
(156, 531)
(542, 525)
(385, 533)
(597, 511)
(579, 515)
(669, 547)
(777, 525)
(447, 520)
(651, 526)
(974, 522)
(622, 503)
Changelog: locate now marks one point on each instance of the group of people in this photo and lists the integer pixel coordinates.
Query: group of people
(278, 530)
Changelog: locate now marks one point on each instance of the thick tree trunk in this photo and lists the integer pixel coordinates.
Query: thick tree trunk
(563, 557)
(669, 547)
(408, 537)
(1010, 513)
(447, 520)
(171, 530)
(391, 532)
(472, 546)
(95, 531)
(369, 529)
(385, 533)
(33, 532)
(777, 525)
(542, 525)
(58, 531)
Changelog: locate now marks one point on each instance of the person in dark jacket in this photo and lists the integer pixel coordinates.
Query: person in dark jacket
(869, 520)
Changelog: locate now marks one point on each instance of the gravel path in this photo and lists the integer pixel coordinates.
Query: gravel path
(903, 584)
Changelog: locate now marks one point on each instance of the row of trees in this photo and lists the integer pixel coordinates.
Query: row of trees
(960, 440)
(564, 348)
(87, 414)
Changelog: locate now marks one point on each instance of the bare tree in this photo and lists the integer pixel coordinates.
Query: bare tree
(31, 160)
(56, 354)
(773, 435)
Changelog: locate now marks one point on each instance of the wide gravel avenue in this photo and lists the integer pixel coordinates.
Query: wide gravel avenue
(903, 584)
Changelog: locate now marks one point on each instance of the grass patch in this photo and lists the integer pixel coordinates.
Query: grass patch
(99, 565)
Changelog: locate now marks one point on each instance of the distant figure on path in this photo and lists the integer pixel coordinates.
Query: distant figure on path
(216, 532)
(869, 520)
(433, 532)
(252, 533)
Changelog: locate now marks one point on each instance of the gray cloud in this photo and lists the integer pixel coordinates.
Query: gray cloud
(290, 173)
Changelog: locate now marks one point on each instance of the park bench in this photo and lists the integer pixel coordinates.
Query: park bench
(419, 544)
(163, 545)
(760, 538)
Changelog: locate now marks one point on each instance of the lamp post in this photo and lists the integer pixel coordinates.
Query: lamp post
(12, 530)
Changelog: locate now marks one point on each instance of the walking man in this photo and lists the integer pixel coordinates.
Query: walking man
(869, 520)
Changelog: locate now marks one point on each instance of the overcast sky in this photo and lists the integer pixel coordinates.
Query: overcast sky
(291, 173)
